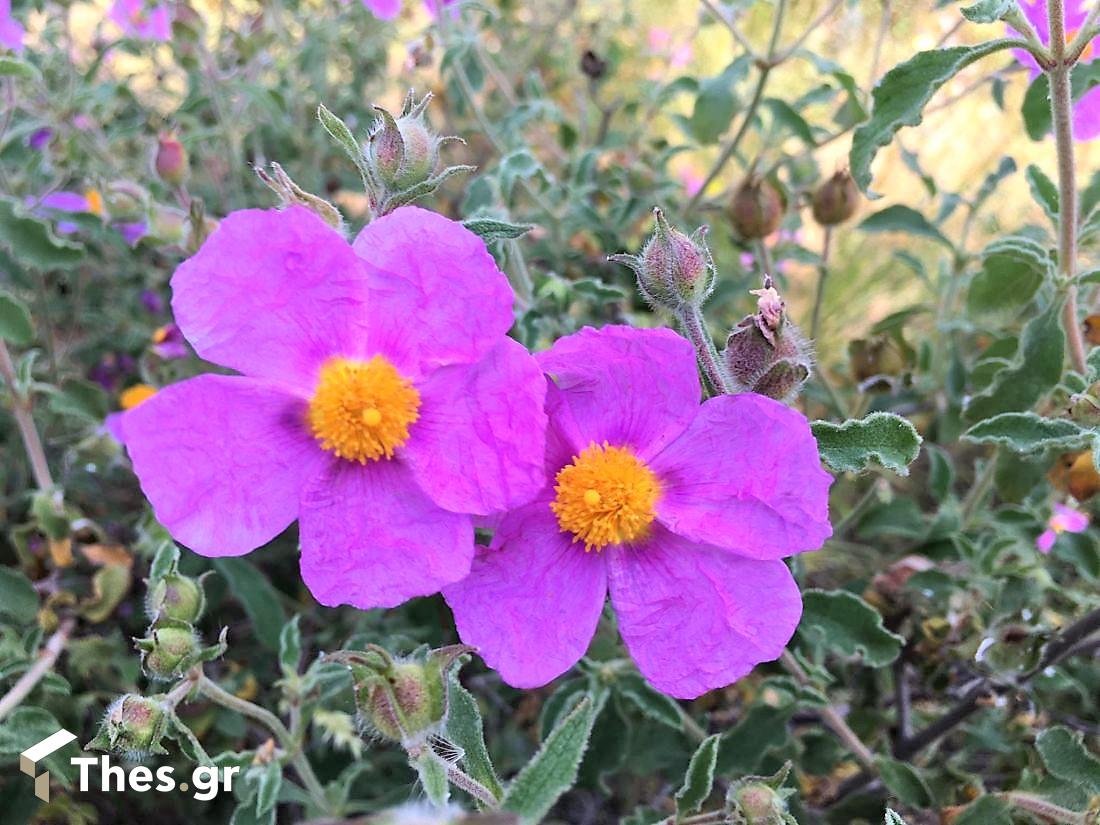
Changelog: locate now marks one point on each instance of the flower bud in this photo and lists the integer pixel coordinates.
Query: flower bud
(125, 201)
(836, 200)
(175, 597)
(170, 162)
(757, 208)
(133, 726)
(673, 269)
(759, 805)
(170, 649)
(402, 700)
(766, 353)
(403, 151)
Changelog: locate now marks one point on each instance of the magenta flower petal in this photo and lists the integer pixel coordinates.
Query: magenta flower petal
(746, 476)
(478, 444)
(222, 460)
(532, 601)
(445, 300)
(383, 9)
(697, 618)
(371, 538)
(273, 295)
(629, 387)
(1086, 115)
(1046, 541)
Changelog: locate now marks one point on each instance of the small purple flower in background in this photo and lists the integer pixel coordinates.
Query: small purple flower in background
(1086, 111)
(11, 30)
(383, 9)
(1062, 520)
(682, 511)
(90, 202)
(140, 21)
(381, 403)
(169, 343)
(132, 232)
(39, 139)
(151, 300)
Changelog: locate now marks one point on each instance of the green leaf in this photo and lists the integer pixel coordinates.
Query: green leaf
(290, 646)
(1012, 271)
(841, 621)
(900, 218)
(1036, 105)
(1027, 432)
(715, 105)
(553, 770)
(1067, 758)
(1043, 190)
(268, 784)
(18, 598)
(699, 779)
(1035, 370)
(744, 747)
(988, 11)
(785, 115)
(165, 560)
(80, 399)
(493, 229)
(15, 320)
(32, 241)
(986, 810)
(903, 781)
(466, 730)
(13, 67)
(884, 438)
(652, 704)
(900, 97)
(260, 600)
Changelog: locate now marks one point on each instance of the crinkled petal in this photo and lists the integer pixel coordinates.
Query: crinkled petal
(437, 295)
(273, 294)
(532, 601)
(478, 444)
(696, 618)
(371, 538)
(629, 387)
(222, 459)
(746, 476)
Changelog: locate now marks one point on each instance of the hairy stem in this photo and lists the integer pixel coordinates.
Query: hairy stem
(695, 329)
(1047, 811)
(461, 779)
(28, 432)
(1061, 106)
(215, 693)
(35, 673)
(822, 277)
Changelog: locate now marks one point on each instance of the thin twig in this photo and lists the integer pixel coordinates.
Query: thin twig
(21, 409)
(36, 672)
(729, 24)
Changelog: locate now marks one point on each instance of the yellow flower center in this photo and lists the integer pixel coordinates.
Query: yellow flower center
(132, 396)
(95, 202)
(362, 409)
(607, 495)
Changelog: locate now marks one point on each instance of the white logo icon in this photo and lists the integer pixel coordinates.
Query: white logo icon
(36, 753)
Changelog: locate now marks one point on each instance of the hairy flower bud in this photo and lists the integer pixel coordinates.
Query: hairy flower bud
(673, 269)
(836, 200)
(175, 597)
(401, 699)
(761, 800)
(133, 726)
(402, 151)
(124, 200)
(169, 650)
(171, 163)
(757, 208)
(766, 353)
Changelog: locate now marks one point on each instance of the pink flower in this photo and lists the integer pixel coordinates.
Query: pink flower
(1086, 111)
(380, 402)
(682, 511)
(11, 30)
(660, 42)
(169, 343)
(1062, 520)
(140, 21)
(383, 9)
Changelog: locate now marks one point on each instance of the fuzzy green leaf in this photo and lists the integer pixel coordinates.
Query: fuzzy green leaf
(15, 320)
(988, 11)
(881, 437)
(900, 97)
(1013, 270)
(260, 600)
(466, 730)
(1067, 758)
(17, 596)
(340, 132)
(841, 621)
(493, 229)
(1043, 190)
(652, 704)
(290, 646)
(1026, 432)
(699, 779)
(13, 67)
(903, 781)
(165, 561)
(1035, 370)
(32, 241)
(986, 810)
(553, 770)
(900, 218)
